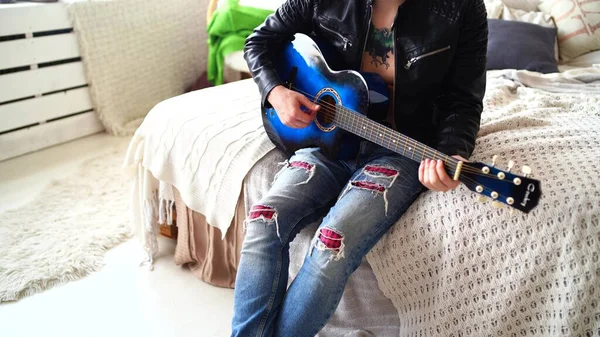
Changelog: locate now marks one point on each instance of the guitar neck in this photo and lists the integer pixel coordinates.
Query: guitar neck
(390, 139)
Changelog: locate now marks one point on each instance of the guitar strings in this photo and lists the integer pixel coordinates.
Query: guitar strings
(353, 114)
(416, 144)
(451, 162)
(464, 178)
(452, 165)
(428, 151)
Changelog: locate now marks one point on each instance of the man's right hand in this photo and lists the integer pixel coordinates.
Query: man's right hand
(287, 103)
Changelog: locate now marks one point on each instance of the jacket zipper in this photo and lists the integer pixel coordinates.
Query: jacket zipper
(415, 59)
(395, 70)
(346, 41)
(362, 52)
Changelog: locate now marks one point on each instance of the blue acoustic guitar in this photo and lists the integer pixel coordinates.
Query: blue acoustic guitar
(346, 98)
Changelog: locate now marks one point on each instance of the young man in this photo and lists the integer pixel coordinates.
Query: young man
(432, 54)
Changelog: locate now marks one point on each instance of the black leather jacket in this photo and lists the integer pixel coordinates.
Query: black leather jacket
(440, 55)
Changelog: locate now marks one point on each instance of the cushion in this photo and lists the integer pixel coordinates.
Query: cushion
(538, 18)
(525, 5)
(520, 45)
(578, 24)
(586, 60)
(494, 8)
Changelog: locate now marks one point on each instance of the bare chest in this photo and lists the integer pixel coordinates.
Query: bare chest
(378, 56)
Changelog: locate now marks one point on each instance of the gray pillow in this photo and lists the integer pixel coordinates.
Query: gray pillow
(521, 45)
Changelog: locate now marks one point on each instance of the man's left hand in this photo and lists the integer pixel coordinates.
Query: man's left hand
(433, 175)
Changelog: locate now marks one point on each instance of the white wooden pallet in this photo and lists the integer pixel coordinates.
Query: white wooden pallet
(44, 95)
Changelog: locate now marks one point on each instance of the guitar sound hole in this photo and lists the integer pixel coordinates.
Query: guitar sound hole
(326, 114)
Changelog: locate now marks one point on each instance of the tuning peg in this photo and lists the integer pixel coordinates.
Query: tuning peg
(526, 170)
(494, 159)
(510, 165)
(497, 204)
(482, 198)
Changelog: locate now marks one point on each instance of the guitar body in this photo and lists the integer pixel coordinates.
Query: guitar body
(303, 68)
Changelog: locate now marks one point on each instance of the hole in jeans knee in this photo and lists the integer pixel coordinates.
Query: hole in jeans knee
(264, 213)
(328, 239)
(261, 211)
(380, 171)
(308, 167)
(367, 185)
(302, 164)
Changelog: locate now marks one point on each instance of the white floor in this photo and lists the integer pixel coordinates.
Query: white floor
(121, 300)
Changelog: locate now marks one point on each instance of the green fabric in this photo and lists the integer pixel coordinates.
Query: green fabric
(227, 30)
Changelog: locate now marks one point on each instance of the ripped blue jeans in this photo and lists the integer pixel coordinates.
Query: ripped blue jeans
(361, 198)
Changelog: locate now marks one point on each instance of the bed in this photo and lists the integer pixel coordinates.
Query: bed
(450, 266)
(497, 268)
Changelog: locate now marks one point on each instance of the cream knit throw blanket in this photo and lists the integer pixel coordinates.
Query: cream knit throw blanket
(455, 267)
(203, 143)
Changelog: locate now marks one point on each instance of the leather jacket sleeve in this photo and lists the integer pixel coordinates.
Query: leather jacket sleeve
(460, 104)
(294, 16)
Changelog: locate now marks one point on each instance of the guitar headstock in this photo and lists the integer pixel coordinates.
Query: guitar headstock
(502, 186)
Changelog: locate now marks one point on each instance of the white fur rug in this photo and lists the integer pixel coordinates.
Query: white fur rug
(63, 233)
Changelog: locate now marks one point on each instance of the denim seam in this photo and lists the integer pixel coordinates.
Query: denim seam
(332, 308)
(273, 295)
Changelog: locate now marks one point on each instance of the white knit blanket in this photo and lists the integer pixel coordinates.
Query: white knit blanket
(455, 267)
(203, 143)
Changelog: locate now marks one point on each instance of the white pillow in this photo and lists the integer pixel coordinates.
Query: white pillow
(585, 60)
(524, 5)
(578, 25)
(538, 18)
(494, 8)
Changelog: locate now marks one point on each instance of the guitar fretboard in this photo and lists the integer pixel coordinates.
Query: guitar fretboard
(391, 139)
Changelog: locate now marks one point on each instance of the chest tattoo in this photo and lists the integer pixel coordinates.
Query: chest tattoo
(380, 45)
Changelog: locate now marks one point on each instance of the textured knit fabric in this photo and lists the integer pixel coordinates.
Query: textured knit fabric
(456, 267)
(137, 53)
(227, 32)
(203, 143)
